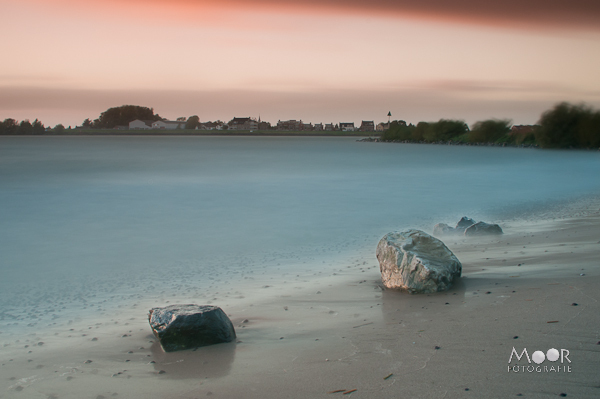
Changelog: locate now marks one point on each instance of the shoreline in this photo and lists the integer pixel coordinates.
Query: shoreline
(213, 133)
(310, 336)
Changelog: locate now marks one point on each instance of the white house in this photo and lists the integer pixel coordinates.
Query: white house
(347, 126)
(168, 125)
(140, 124)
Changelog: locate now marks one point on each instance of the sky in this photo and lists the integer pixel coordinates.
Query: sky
(325, 61)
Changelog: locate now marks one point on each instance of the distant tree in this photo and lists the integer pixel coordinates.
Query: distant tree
(419, 132)
(588, 134)
(398, 131)
(489, 131)
(181, 119)
(87, 123)
(25, 127)
(9, 126)
(38, 127)
(568, 125)
(445, 130)
(60, 128)
(124, 114)
(192, 122)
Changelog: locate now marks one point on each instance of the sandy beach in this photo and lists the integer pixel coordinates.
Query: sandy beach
(340, 334)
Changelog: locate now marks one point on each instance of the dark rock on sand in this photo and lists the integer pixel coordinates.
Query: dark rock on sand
(179, 327)
(482, 228)
(413, 260)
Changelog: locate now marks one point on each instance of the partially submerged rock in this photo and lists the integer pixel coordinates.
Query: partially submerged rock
(414, 261)
(467, 224)
(482, 228)
(464, 223)
(179, 327)
(442, 229)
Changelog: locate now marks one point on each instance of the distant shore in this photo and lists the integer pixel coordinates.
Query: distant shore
(193, 132)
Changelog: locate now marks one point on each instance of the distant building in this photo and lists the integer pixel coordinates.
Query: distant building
(523, 129)
(329, 127)
(318, 127)
(263, 125)
(292, 125)
(208, 126)
(140, 124)
(168, 125)
(367, 126)
(243, 124)
(347, 126)
(381, 127)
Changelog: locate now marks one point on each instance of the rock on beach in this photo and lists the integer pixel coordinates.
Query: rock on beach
(467, 227)
(414, 261)
(179, 327)
(481, 228)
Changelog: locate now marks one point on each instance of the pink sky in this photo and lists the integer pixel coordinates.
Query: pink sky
(319, 61)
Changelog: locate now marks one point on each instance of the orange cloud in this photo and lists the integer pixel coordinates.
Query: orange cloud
(521, 13)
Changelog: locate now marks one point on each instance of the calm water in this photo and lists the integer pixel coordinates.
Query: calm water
(83, 217)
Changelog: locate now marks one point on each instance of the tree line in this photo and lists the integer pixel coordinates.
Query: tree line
(11, 126)
(564, 126)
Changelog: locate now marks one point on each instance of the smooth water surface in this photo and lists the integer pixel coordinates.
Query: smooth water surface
(83, 217)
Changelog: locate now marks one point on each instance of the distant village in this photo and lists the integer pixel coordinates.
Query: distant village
(252, 124)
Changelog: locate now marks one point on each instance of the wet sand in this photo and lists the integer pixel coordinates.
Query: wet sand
(340, 334)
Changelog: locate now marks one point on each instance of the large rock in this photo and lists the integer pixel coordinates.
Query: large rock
(414, 261)
(482, 228)
(179, 327)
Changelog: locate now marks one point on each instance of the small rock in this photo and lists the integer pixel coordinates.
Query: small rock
(482, 228)
(442, 229)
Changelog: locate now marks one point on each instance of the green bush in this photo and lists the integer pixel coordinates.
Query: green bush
(567, 125)
(445, 130)
(398, 131)
(489, 131)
